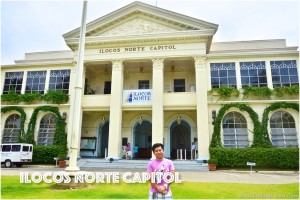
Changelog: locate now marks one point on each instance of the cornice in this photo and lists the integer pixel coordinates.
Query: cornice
(39, 63)
(151, 37)
(252, 101)
(254, 52)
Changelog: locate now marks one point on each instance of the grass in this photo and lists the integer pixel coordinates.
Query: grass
(13, 189)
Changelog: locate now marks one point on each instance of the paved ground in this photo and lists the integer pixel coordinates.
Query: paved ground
(228, 176)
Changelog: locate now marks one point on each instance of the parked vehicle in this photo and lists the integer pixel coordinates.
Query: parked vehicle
(17, 153)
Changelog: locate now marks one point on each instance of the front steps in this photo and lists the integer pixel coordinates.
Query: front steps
(180, 165)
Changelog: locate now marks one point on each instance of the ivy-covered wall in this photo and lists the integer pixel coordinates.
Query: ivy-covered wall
(261, 136)
(23, 118)
(273, 107)
(60, 137)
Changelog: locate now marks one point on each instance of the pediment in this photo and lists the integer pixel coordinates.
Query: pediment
(139, 19)
(138, 26)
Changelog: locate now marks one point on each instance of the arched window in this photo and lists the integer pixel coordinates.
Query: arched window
(12, 129)
(283, 130)
(235, 132)
(47, 130)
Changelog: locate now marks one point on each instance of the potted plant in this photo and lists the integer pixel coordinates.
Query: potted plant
(212, 164)
(62, 160)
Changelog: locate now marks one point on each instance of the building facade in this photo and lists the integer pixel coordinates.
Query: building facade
(147, 73)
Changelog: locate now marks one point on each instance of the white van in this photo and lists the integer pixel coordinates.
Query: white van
(17, 153)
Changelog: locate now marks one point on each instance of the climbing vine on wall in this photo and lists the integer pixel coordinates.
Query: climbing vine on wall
(23, 118)
(60, 137)
(261, 135)
(225, 92)
(56, 97)
(216, 137)
(272, 107)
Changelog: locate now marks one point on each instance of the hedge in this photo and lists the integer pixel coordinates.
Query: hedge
(45, 154)
(282, 158)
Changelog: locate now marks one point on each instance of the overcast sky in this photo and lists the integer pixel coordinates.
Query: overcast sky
(34, 26)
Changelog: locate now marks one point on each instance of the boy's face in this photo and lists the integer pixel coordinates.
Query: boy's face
(159, 153)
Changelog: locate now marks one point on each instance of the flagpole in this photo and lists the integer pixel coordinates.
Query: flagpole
(77, 110)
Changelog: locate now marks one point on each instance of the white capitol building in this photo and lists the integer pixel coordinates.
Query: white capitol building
(147, 76)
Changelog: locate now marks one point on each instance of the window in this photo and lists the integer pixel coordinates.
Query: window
(25, 148)
(12, 129)
(16, 148)
(222, 74)
(107, 87)
(59, 80)
(253, 74)
(13, 82)
(284, 73)
(124, 141)
(235, 132)
(6, 148)
(144, 84)
(179, 85)
(47, 130)
(283, 130)
(36, 82)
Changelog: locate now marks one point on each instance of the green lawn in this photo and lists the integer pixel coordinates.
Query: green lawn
(12, 188)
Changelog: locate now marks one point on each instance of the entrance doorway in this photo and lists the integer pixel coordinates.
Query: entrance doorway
(142, 136)
(103, 136)
(180, 138)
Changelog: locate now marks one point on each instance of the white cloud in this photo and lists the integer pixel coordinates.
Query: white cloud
(29, 26)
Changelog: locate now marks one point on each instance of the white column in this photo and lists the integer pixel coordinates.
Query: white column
(157, 101)
(269, 74)
(238, 75)
(202, 109)
(47, 81)
(24, 82)
(115, 118)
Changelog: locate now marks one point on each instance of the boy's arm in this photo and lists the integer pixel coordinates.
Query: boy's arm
(168, 184)
(160, 189)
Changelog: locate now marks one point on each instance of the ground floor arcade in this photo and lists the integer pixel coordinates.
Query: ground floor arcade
(179, 133)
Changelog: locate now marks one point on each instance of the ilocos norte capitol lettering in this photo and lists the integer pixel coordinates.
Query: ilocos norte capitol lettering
(137, 49)
(139, 96)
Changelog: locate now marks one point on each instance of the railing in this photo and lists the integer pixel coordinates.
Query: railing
(182, 154)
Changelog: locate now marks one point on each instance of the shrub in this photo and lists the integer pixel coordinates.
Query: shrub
(29, 97)
(226, 92)
(282, 158)
(45, 154)
(281, 91)
(213, 161)
(57, 97)
(262, 92)
(11, 97)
